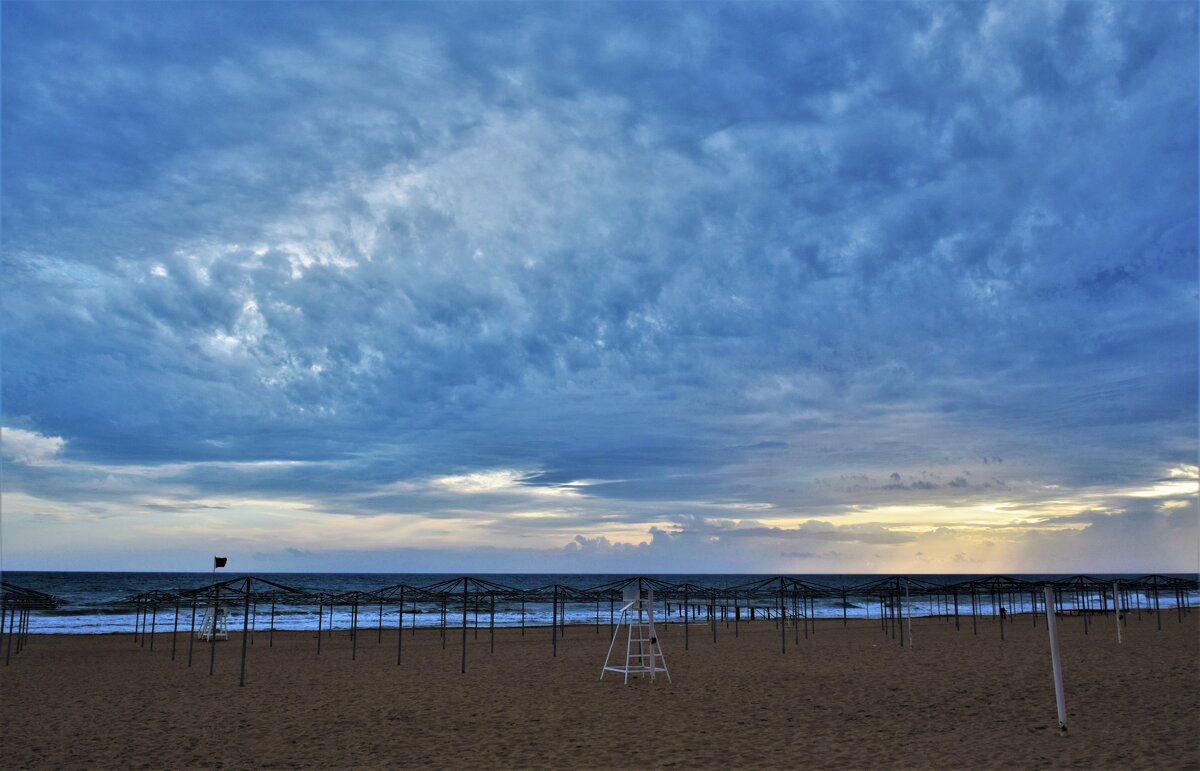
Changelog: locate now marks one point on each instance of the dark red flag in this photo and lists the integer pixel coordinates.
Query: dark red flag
(219, 562)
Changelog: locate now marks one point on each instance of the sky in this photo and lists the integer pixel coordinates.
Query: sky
(592, 287)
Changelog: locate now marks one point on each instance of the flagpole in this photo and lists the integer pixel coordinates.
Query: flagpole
(217, 562)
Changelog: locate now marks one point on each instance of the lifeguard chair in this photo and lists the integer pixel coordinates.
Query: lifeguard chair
(214, 625)
(643, 654)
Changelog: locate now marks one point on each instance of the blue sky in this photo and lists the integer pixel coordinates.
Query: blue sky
(634, 287)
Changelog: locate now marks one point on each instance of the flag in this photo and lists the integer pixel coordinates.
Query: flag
(219, 562)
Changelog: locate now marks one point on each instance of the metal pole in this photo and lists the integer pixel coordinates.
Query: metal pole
(400, 628)
(464, 629)
(908, 601)
(212, 634)
(1157, 609)
(782, 621)
(354, 628)
(175, 631)
(245, 634)
(1117, 609)
(712, 616)
(8, 650)
(1056, 662)
(686, 613)
(192, 632)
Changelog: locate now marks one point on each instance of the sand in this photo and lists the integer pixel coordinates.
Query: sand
(847, 697)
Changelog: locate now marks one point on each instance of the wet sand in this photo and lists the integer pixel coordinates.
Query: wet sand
(845, 697)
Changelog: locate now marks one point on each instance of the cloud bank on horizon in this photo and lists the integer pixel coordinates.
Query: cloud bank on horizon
(630, 287)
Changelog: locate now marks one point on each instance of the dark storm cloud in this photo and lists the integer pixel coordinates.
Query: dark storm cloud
(693, 254)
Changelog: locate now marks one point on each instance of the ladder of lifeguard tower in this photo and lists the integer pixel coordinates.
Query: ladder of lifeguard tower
(215, 622)
(637, 616)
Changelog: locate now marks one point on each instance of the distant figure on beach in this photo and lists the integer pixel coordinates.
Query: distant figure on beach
(1003, 613)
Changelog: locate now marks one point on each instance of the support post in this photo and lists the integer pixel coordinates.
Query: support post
(192, 632)
(1157, 609)
(354, 628)
(212, 635)
(400, 628)
(782, 621)
(908, 602)
(175, 631)
(245, 634)
(464, 629)
(686, 613)
(1117, 609)
(1056, 662)
(8, 649)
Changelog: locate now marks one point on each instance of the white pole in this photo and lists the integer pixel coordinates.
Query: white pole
(908, 601)
(1055, 661)
(1117, 609)
(649, 632)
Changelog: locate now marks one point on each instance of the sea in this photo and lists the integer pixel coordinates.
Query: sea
(93, 603)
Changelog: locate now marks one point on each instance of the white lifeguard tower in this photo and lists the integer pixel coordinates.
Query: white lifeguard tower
(643, 654)
(214, 625)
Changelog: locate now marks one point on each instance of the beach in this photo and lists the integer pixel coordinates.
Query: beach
(844, 697)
